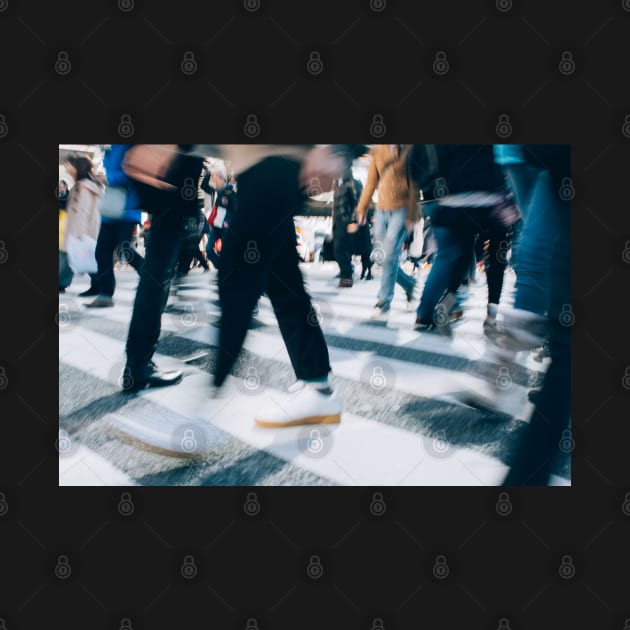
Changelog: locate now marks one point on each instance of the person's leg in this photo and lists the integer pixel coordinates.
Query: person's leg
(210, 253)
(496, 262)
(535, 454)
(394, 236)
(105, 246)
(199, 256)
(163, 249)
(267, 199)
(296, 316)
(126, 245)
(342, 252)
(451, 260)
(65, 272)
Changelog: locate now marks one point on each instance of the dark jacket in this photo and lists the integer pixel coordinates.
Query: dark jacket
(112, 162)
(345, 200)
(556, 158)
(454, 168)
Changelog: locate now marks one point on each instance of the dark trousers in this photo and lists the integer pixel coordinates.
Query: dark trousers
(113, 236)
(259, 254)
(343, 250)
(495, 263)
(366, 264)
(65, 273)
(213, 257)
(537, 451)
(187, 256)
(161, 256)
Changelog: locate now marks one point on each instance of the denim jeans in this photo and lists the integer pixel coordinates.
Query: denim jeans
(453, 257)
(543, 243)
(543, 286)
(389, 236)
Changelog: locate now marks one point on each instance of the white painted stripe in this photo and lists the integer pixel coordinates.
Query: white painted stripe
(84, 467)
(363, 452)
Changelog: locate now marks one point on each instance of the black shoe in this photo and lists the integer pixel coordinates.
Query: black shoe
(533, 395)
(89, 293)
(134, 379)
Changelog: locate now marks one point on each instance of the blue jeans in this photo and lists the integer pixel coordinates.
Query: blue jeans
(453, 257)
(389, 236)
(543, 244)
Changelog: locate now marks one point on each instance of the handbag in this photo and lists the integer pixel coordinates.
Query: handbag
(163, 174)
(113, 202)
(505, 214)
(81, 253)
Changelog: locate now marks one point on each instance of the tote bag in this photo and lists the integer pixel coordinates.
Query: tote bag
(81, 253)
(113, 202)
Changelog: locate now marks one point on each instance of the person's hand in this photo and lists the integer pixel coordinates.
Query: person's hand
(351, 228)
(319, 170)
(362, 219)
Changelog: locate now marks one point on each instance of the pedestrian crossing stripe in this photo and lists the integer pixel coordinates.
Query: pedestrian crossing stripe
(413, 457)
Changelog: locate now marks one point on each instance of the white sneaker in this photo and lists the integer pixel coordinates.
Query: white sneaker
(519, 330)
(380, 311)
(303, 405)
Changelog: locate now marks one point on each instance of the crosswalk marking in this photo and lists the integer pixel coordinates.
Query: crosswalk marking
(361, 450)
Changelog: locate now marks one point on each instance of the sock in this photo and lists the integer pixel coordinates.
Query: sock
(321, 384)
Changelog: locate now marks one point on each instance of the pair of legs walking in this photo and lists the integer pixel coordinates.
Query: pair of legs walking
(389, 236)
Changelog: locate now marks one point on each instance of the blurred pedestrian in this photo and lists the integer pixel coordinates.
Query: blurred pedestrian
(82, 215)
(115, 234)
(396, 210)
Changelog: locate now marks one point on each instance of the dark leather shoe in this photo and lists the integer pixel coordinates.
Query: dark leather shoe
(134, 379)
(89, 293)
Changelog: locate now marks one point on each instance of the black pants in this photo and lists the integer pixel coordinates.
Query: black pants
(343, 243)
(112, 236)
(161, 256)
(187, 256)
(259, 254)
(495, 263)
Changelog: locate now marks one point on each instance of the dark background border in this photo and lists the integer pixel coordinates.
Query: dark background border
(375, 59)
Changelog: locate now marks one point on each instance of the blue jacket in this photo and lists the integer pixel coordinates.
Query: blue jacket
(506, 154)
(116, 177)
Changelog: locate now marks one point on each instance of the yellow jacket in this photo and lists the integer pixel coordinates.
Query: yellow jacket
(388, 173)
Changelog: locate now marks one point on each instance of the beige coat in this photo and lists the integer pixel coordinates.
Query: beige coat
(82, 209)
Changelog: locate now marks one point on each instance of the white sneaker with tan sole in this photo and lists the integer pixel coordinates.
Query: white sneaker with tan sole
(304, 404)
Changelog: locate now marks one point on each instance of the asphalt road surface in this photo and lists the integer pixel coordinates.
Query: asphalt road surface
(400, 424)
